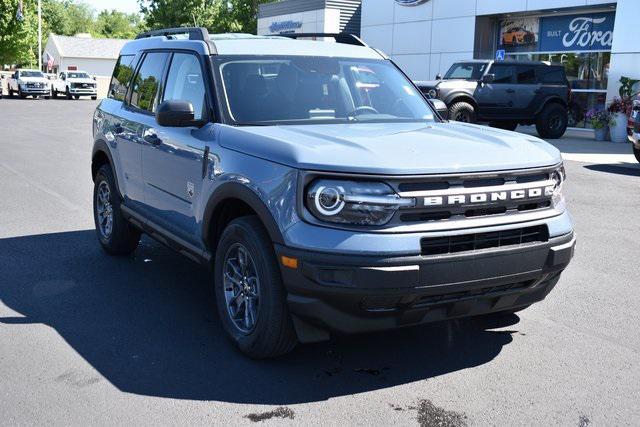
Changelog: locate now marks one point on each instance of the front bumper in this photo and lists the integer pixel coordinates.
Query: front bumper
(352, 294)
(83, 92)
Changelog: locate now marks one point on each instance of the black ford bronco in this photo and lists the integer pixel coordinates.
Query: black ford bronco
(505, 94)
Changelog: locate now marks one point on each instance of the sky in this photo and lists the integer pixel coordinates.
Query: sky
(127, 6)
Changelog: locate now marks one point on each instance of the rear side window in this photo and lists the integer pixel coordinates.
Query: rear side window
(502, 73)
(146, 84)
(121, 77)
(526, 74)
(186, 83)
(554, 75)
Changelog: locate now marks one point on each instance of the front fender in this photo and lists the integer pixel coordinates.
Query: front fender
(236, 190)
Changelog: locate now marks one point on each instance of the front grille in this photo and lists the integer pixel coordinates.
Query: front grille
(479, 241)
(35, 85)
(82, 85)
(459, 198)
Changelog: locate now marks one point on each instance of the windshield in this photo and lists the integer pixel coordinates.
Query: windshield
(78, 76)
(31, 74)
(466, 70)
(265, 90)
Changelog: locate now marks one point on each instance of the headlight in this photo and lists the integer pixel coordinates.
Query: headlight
(558, 177)
(352, 202)
(432, 94)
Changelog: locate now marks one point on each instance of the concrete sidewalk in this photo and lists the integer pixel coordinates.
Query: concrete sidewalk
(580, 146)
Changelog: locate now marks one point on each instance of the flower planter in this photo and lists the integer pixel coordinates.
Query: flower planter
(601, 134)
(618, 127)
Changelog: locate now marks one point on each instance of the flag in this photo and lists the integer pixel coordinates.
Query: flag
(49, 61)
(20, 12)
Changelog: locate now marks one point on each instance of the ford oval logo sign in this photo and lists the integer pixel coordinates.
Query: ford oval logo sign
(410, 2)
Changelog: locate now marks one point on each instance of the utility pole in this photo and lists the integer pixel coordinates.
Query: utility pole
(40, 35)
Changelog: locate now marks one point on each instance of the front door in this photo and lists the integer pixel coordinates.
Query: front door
(496, 99)
(172, 157)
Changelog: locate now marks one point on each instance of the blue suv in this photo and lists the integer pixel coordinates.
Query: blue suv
(320, 186)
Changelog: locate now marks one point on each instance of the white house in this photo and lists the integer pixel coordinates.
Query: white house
(95, 56)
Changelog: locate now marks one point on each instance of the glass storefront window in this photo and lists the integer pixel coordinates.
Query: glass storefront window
(588, 75)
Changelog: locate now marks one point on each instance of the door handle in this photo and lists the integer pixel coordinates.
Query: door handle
(151, 138)
(511, 91)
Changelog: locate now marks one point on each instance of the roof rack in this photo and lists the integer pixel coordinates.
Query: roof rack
(195, 33)
(344, 38)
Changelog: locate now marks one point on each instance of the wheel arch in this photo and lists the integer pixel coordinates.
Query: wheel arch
(551, 100)
(101, 156)
(461, 97)
(230, 201)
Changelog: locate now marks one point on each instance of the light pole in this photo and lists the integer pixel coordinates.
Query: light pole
(40, 35)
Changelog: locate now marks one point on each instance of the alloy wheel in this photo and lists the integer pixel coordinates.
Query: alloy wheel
(241, 288)
(104, 209)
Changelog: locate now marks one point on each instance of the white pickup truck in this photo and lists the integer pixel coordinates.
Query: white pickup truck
(28, 83)
(74, 84)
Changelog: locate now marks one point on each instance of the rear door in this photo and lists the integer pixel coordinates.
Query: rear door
(496, 99)
(172, 157)
(528, 93)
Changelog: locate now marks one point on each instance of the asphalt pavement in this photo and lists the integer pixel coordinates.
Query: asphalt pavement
(86, 338)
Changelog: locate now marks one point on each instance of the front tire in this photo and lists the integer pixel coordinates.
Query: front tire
(551, 123)
(462, 112)
(68, 94)
(115, 234)
(250, 296)
(22, 94)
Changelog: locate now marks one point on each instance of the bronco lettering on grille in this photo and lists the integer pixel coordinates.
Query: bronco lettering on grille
(489, 197)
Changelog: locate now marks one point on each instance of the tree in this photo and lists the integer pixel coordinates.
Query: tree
(117, 25)
(18, 39)
(218, 16)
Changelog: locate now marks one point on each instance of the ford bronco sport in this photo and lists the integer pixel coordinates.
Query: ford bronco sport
(505, 94)
(322, 189)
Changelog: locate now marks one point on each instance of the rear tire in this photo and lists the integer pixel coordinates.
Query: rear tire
(504, 124)
(269, 332)
(551, 123)
(636, 152)
(115, 234)
(462, 112)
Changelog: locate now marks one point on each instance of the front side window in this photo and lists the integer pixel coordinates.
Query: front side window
(277, 90)
(122, 74)
(144, 91)
(185, 83)
(466, 70)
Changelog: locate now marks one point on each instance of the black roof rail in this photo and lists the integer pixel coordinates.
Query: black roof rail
(344, 38)
(195, 33)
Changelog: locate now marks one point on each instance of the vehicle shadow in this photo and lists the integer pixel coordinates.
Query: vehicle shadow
(627, 169)
(147, 324)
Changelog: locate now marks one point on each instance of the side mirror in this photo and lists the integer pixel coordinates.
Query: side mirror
(488, 78)
(438, 76)
(440, 107)
(175, 114)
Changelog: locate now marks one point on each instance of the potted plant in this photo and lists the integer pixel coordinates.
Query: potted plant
(599, 120)
(619, 110)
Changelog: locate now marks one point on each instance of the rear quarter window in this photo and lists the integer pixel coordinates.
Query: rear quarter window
(121, 78)
(553, 75)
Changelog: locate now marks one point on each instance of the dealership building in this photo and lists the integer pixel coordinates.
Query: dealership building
(595, 40)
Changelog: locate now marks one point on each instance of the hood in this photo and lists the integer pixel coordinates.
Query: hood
(392, 148)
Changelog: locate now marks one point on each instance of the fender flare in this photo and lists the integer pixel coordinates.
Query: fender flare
(235, 190)
(101, 147)
(549, 100)
(468, 98)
